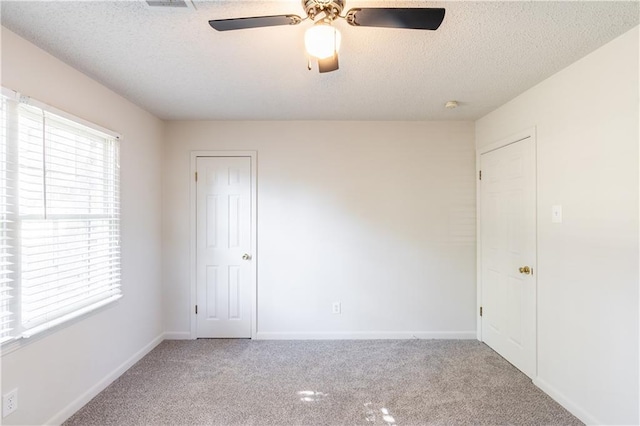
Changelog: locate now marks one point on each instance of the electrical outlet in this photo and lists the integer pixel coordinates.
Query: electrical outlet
(335, 308)
(9, 402)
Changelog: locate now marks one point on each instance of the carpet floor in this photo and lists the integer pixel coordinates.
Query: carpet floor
(374, 382)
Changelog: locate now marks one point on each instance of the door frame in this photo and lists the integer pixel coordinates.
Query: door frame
(253, 155)
(517, 137)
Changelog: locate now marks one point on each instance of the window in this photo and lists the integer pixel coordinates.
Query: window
(59, 218)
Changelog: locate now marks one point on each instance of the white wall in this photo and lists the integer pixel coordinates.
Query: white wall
(586, 118)
(377, 215)
(55, 374)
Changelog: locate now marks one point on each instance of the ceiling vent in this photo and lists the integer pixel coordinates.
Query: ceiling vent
(174, 4)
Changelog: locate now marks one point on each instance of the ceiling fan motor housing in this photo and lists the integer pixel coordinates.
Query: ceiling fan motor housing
(331, 8)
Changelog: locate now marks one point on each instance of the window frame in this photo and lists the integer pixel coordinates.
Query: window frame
(20, 341)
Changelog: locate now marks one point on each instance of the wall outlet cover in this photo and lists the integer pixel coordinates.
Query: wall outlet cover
(9, 402)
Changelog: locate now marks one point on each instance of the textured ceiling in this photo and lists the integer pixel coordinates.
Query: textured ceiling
(171, 63)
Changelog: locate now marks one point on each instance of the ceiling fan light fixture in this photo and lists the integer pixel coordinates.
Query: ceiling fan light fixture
(322, 40)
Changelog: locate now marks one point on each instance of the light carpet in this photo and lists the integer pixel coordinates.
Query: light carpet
(372, 382)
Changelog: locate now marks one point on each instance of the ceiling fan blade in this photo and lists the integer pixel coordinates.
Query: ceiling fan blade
(328, 64)
(390, 17)
(254, 22)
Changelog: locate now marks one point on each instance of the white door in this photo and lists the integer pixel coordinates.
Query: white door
(508, 252)
(223, 247)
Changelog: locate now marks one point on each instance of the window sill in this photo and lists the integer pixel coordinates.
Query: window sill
(22, 341)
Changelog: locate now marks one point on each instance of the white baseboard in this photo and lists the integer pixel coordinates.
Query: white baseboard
(79, 402)
(561, 399)
(177, 335)
(366, 335)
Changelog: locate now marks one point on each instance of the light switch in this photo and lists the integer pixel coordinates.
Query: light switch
(556, 214)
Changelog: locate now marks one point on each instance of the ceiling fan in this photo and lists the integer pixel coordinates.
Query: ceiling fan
(322, 40)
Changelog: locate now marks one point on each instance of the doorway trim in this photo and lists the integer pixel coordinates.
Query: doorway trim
(253, 155)
(517, 137)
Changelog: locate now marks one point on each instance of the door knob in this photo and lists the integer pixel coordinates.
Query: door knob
(525, 270)
(246, 256)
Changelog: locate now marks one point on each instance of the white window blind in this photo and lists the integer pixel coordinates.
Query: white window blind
(66, 219)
